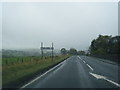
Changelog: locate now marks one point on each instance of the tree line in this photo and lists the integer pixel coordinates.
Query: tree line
(72, 51)
(104, 46)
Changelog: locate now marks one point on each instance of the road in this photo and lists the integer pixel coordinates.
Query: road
(78, 72)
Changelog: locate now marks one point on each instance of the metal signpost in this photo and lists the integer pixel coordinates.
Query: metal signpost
(46, 48)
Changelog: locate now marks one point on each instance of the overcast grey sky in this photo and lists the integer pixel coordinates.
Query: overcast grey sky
(0, 26)
(69, 25)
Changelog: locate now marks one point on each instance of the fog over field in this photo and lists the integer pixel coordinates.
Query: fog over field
(25, 25)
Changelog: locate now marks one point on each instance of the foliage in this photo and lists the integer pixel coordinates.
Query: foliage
(81, 52)
(105, 46)
(63, 51)
(73, 51)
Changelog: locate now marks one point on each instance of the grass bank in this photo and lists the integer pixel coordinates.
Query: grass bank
(16, 74)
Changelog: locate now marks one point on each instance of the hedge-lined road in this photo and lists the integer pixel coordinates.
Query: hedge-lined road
(78, 72)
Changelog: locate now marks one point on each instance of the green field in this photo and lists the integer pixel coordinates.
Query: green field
(17, 69)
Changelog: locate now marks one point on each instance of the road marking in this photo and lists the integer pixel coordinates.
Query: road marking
(90, 67)
(81, 59)
(84, 61)
(103, 77)
(43, 74)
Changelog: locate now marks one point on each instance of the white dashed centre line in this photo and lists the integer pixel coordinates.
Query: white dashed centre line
(90, 67)
(81, 59)
(84, 61)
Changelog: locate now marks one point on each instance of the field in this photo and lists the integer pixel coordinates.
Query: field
(18, 69)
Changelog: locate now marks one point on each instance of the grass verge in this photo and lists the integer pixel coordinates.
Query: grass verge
(15, 75)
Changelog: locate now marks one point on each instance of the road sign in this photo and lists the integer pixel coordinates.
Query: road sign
(46, 48)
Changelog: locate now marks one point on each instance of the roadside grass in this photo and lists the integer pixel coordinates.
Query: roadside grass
(0, 72)
(12, 60)
(18, 72)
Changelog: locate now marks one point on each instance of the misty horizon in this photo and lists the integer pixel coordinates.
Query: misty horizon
(67, 25)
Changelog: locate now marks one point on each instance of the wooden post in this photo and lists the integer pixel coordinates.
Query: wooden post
(52, 51)
(42, 49)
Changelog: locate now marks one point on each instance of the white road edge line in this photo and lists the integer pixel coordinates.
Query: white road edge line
(103, 77)
(90, 67)
(43, 74)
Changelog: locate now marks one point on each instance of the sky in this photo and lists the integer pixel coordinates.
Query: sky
(67, 24)
(0, 27)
